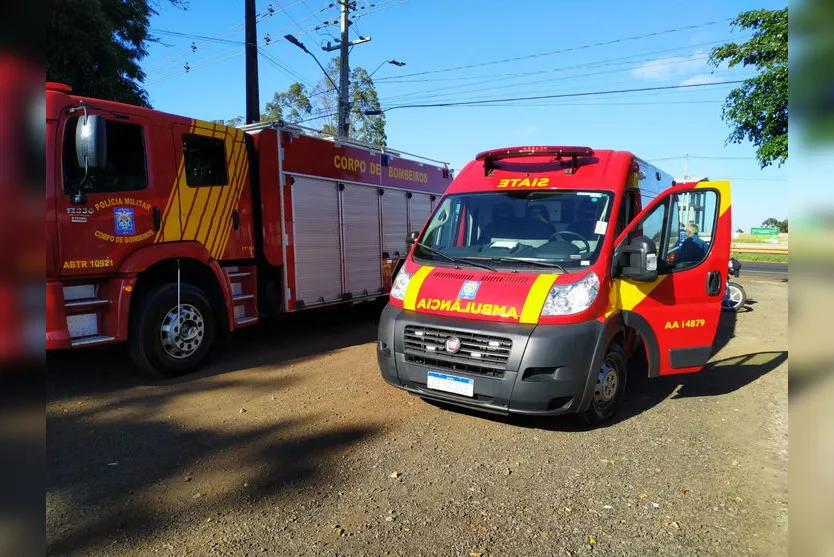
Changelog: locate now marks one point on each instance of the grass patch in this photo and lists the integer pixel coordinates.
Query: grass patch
(760, 257)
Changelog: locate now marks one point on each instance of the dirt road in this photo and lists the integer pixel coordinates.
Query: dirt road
(291, 444)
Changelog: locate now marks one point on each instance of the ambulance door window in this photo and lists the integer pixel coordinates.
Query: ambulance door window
(440, 227)
(653, 226)
(126, 168)
(695, 212)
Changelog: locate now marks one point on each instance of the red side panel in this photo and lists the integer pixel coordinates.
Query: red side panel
(325, 159)
(266, 145)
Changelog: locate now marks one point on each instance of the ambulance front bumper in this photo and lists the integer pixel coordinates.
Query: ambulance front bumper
(504, 368)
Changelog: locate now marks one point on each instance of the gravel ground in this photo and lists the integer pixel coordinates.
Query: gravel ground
(290, 443)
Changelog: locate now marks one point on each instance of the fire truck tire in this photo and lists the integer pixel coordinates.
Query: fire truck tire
(610, 387)
(165, 342)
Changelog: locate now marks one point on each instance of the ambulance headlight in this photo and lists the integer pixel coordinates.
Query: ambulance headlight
(400, 284)
(567, 299)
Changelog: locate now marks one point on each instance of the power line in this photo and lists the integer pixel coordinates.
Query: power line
(618, 61)
(566, 95)
(396, 79)
(572, 49)
(423, 94)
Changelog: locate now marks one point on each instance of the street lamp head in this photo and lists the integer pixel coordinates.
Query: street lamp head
(296, 42)
(396, 63)
(372, 112)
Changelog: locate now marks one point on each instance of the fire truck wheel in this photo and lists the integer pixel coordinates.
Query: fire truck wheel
(170, 340)
(609, 388)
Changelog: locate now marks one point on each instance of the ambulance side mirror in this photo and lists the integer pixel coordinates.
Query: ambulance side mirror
(412, 238)
(638, 259)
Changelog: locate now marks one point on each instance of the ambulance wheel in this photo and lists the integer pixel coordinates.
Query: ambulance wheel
(167, 340)
(609, 388)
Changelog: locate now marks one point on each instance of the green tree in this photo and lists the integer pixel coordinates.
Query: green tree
(771, 222)
(320, 105)
(757, 110)
(95, 46)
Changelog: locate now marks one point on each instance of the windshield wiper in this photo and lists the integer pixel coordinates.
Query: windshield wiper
(524, 260)
(455, 260)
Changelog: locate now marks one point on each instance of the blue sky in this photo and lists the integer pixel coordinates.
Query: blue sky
(557, 50)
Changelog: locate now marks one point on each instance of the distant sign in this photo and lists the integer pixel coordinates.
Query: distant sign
(764, 231)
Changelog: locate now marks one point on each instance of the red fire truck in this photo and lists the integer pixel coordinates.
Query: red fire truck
(546, 275)
(168, 232)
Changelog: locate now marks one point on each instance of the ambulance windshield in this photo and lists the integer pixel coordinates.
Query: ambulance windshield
(519, 228)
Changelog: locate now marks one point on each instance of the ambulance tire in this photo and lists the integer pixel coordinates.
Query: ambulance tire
(609, 388)
(151, 320)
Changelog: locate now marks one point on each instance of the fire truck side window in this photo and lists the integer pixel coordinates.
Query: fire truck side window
(126, 162)
(205, 161)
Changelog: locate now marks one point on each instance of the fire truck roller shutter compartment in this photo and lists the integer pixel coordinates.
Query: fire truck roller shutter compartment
(362, 253)
(318, 269)
(394, 223)
(420, 207)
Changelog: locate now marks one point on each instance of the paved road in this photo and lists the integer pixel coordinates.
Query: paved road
(756, 270)
(289, 443)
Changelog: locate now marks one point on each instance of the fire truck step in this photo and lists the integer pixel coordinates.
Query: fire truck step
(86, 302)
(241, 321)
(239, 274)
(87, 341)
(242, 297)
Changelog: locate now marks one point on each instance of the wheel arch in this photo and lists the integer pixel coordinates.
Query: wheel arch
(196, 267)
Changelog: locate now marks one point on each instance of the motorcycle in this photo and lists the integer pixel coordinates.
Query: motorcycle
(734, 295)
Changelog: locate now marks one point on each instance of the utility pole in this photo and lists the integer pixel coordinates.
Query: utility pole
(344, 67)
(253, 104)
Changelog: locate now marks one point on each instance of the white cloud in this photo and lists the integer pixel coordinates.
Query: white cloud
(700, 80)
(528, 130)
(671, 66)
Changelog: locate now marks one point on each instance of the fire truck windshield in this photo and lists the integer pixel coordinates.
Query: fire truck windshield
(563, 229)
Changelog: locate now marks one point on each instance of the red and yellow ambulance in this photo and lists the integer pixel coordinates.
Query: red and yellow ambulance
(546, 273)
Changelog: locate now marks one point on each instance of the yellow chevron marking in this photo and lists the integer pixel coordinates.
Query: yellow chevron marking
(723, 188)
(414, 286)
(626, 293)
(536, 297)
(238, 173)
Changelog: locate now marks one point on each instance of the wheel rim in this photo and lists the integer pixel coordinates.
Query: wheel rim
(733, 297)
(182, 331)
(608, 383)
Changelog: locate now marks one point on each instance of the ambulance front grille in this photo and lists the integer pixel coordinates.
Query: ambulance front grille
(479, 353)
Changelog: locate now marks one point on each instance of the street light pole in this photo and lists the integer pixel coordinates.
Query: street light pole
(392, 62)
(344, 73)
(344, 67)
(253, 105)
(300, 45)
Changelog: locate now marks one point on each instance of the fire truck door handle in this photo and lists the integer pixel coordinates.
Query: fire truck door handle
(713, 283)
(235, 219)
(157, 218)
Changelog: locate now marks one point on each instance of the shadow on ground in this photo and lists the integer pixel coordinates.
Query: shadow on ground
(119, 472)
(275, 341)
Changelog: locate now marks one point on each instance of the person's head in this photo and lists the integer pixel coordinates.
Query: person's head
(691, 229)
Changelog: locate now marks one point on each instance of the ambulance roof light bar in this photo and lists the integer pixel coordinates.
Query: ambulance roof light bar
(493, 155)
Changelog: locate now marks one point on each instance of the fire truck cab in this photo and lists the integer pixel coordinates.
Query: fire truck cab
(546, 275)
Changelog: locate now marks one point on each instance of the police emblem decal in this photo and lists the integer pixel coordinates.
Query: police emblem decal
(124, 220)
(469, 289)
